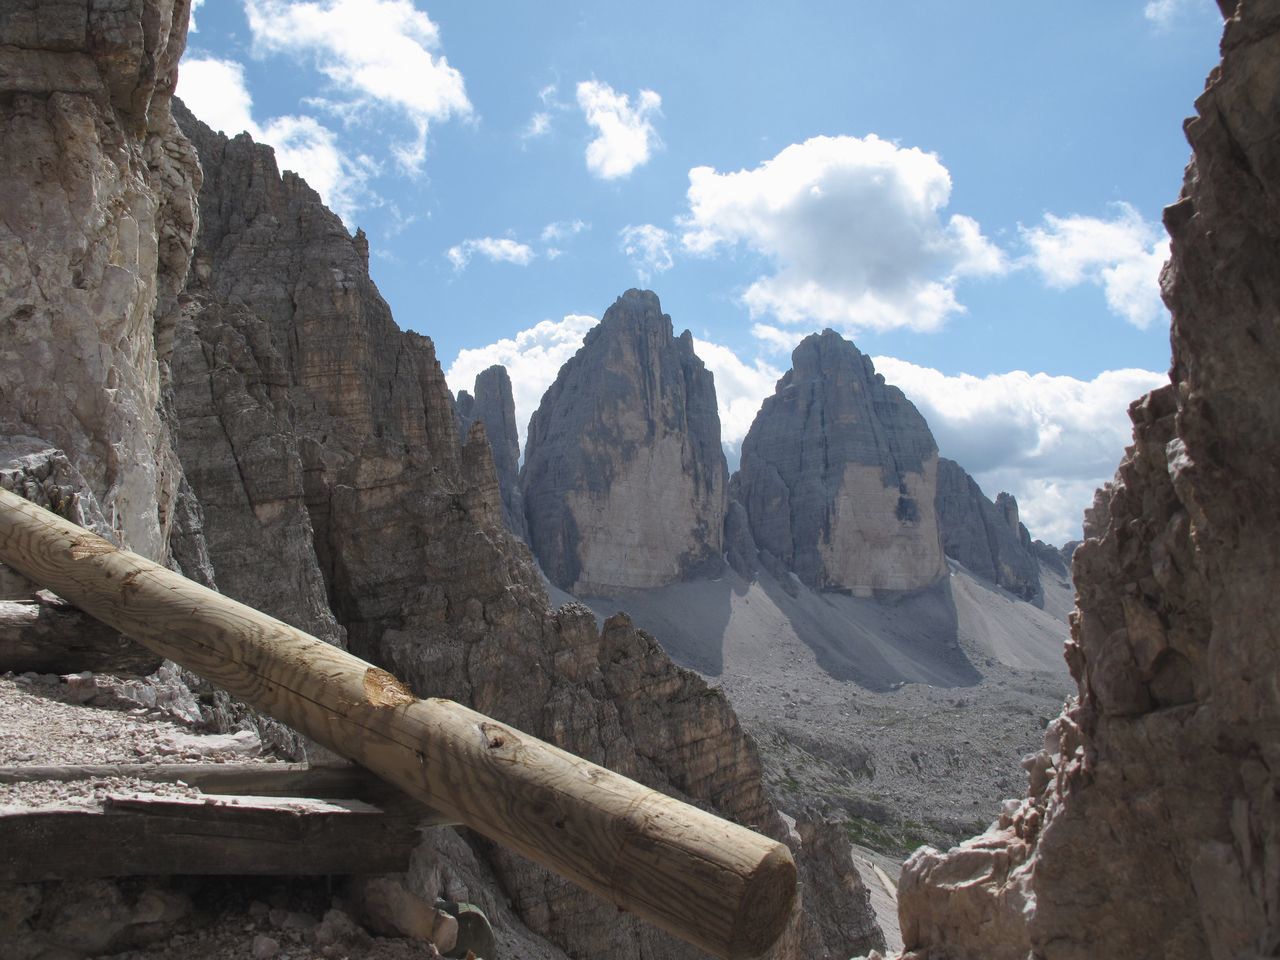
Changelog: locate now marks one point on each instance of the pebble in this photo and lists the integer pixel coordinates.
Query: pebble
(264, 947)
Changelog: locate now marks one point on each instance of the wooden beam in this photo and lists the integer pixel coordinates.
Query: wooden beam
(348, 781)
(50, 636)
(718, 885)
(145, 834)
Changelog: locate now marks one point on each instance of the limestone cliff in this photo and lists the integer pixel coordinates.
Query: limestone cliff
(839, 476)
(1152, 827)
(493, 404)
(986, 537)
(97, 193)
(340, 460)
(624, 479)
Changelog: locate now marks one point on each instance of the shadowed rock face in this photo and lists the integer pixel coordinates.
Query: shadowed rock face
(98, 192)
(987, 537)
(624, 479)
(493, 404)
(1151, 826)
(326, 437)
(839, 475)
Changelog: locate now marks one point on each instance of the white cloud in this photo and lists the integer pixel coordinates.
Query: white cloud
(195, 5)
(1162, 12)
(376, 53)
(854, 228)
(559, 230)
(496, 249)
(648, 248)
(625, 136)
(539, 125)
(215, 91)
(533, 358)
(1049, 440)
(1122, 255)
(741, 387)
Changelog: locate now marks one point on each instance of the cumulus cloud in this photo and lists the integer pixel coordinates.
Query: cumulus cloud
(625, 137)
(532, 357)
(1122, 255)
(648, 248)
(854, 228)
(377, 54)
(1048, 440)
(215, 91)
(741, 387)
(195, 5)
(496, 249)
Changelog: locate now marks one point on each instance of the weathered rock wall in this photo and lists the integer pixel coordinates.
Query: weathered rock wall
(339, 432)
(97, 215)
(624, 478)
(1152, 825)
(986, 537)
(839, 476)
(493, 404)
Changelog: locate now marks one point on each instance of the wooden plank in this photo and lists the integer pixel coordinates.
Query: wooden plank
(718, 885)
(142, 834)
(348, 781)
(50, 636)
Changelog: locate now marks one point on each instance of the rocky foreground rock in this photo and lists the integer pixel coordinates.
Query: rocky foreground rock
(1151, 827)
(624, 479)
(839, 477)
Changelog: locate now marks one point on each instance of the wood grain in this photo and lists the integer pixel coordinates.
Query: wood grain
(713, 883)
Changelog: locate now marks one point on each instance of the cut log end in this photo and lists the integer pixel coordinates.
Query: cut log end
(766, 906)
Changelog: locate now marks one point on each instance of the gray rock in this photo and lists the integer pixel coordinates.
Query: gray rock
(986, 537)
(624, 478)
(98, 191)
(1150, 827)
(493, 404)
(838, 476)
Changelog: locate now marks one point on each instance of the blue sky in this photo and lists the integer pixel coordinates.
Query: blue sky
(971, 192)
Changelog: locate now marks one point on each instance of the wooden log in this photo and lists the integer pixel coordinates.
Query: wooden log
(46, 635)
(145, 834)
(717, 885)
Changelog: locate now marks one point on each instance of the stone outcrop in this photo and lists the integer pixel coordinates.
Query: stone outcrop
(986, 537)
(624, 478)
(839, 476)
(1151, 827)
(340, 433)
(97, 189)
(493, 404)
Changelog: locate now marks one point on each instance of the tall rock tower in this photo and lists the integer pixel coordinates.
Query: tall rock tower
(624, 479)
(839, 474)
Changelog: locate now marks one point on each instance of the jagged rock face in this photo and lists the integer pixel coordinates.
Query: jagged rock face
(494, 405)
(839, 475)
(1151, 826)
(98, 191)
(286, 346)
(624, 478)
(986, 537)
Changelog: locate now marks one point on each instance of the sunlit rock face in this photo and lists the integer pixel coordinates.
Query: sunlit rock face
(97, 188)
(1151, 826)
(624, 479)
(839, 476)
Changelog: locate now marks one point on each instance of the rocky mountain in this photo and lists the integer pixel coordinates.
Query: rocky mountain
(624, 478)
(839, 477)
(491, 402)
(986, 537)
(1150, 823)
